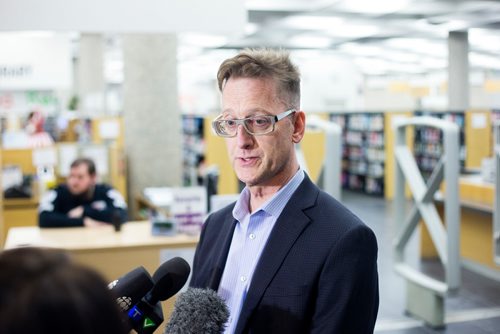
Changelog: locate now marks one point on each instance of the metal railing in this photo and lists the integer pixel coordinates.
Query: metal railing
(333, 154)
(425, 294)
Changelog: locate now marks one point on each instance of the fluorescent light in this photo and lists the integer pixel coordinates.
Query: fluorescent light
(308, 22)
(433, 63)
(453, 25)
(377, 65)
(419, 45)
(349, 30)
(334, 26)
(277, 5)
(251, 28)
(484, 39)
(310, 41)
(484, 61)
(401, 56)
(406, 68)
(361, 49)
(203, 40)
(373, 7)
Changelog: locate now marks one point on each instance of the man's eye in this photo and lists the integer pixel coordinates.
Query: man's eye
(230, 123)
(261, 121)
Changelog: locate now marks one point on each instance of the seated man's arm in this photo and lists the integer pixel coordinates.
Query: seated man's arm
(113, 201)
(50, 216)
(348, 298)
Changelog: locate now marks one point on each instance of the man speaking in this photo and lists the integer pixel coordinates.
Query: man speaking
(286, 257)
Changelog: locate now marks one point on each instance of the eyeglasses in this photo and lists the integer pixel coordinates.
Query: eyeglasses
(255, 125)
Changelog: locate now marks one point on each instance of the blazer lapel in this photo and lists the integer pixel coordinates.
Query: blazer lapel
(225, 237)
(288, 228)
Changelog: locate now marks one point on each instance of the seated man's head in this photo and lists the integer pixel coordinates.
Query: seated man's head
(82, 176)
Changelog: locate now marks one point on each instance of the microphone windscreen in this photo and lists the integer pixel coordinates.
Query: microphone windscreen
(169, 278)
(131, 287)
(198, 311)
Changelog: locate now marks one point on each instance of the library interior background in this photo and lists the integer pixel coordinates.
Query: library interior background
(402, 100)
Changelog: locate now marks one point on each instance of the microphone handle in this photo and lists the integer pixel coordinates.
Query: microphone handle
(145, 318)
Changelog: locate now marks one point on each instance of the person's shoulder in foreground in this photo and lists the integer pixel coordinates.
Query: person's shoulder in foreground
(43, 291)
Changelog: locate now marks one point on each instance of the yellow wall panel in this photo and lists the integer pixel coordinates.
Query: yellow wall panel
(477, 137)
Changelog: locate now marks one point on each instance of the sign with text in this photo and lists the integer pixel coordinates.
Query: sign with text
(28, 61)
(184, 207)
(189, 208)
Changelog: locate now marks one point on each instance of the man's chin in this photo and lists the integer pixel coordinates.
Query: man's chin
(76, 192)
(248, 180)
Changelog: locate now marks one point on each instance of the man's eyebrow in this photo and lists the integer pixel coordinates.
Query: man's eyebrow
(248, 113)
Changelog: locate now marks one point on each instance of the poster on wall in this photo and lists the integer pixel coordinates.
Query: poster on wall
(22, 102)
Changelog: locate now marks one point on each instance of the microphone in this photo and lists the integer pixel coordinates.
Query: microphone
(198, 311)
(131, 288)
(168, 279)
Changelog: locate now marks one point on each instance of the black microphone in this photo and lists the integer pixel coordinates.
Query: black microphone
(198, 311)
(131, 288)
(168, 279)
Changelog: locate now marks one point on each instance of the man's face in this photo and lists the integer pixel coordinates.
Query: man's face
(79, 180)
(265, 160)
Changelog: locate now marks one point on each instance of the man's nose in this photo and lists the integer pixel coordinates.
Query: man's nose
(244, 139)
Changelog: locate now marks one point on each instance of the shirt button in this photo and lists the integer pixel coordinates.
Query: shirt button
(252, 236)
(243, 278)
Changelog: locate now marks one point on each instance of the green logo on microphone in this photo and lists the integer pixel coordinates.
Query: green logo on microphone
(148, 323)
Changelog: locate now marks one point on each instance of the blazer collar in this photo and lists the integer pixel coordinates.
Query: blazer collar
(288, 228)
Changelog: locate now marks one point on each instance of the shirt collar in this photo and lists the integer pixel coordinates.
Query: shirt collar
(274, 205)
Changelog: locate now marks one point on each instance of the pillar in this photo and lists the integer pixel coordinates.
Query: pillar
(458, 70)
(90, 85)
(152, 120)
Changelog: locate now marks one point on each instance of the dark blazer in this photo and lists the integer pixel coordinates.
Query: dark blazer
(317, 272)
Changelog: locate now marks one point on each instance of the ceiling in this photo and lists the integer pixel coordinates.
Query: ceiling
(381, 37)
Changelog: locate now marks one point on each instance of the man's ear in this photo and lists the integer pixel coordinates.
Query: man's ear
(299, 126)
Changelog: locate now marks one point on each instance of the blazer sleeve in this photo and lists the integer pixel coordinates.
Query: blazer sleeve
(348, 294)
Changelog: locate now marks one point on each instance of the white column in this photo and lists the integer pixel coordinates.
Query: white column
(152, 120)
(458, 70)
(90, 85)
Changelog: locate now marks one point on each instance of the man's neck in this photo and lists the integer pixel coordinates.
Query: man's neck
(260, 194)
(87, 195)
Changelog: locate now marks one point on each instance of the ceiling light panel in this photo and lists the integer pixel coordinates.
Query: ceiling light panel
(428, 7)
(372, 7)
(287, 5)
(419, 46)
(348, 30)
(309, 41)
(483, 39)
(356, 49)
(311, 22)
(484, 61)
(203, 40)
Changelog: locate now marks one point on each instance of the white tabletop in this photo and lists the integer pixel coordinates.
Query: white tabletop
(133, 234)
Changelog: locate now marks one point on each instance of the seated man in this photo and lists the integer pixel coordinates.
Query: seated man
(81, 202)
